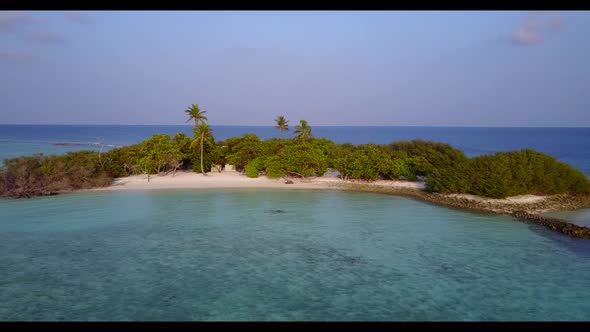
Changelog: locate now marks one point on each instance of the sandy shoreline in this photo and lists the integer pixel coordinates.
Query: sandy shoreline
(525, 208)
(229, 180)
(192, 180)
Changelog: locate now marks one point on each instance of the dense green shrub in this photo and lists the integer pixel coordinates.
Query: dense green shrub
(272, 146)
(158, 154)
(357, 165)
(506, 174)
(42, 175)
(448, 179)
(241, 150)
(183, 143)
(207, 162)
(255, 166)
(300, 159)
(399, 168)
(371, 161)
(217, 153)
(338, 151)
(434, 154)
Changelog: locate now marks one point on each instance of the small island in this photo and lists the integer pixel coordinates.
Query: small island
(522, 183)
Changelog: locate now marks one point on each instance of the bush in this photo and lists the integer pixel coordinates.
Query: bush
(297, 159)
(42, 175)
(506, 174)
(183, 144)
(120, 162)
(398, 168)
(357, 165)
(242, 150)
(207, 162)
(338, 151)
(433, 154)
(255, 166)
(448, 179)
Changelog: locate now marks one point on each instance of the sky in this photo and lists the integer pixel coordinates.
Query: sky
(366, 68)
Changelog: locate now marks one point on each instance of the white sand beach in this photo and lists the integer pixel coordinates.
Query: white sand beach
(514, 200)
(189, 179)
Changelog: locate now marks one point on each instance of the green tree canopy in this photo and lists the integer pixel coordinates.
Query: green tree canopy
(282, 123)
(195, 113)
(303, 131)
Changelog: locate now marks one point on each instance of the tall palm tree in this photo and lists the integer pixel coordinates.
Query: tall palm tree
(282, 123)
(194, 112)
(303, 131)
(203, 133)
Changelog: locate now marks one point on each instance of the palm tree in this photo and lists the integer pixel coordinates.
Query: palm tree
(194, 112)
(282, 123)
(303, 131)
(203, 133)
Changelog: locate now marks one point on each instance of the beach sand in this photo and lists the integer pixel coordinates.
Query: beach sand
(192, 180)
(514, 200)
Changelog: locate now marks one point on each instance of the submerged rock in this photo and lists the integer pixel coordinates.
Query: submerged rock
(276, 211)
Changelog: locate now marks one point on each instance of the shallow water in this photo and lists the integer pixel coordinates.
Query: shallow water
(579, 217)
(232, 255)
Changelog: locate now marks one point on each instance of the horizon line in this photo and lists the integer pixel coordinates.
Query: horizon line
(322, 125)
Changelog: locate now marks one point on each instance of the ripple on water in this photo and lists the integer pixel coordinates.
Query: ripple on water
(230, 255)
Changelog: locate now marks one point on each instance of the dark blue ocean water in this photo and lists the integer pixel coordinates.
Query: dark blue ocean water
(571, 145)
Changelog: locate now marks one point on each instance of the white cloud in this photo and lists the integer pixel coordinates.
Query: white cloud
(535, 26)
(9, 56)
(11, 20)
(76, 17)
(49, 37)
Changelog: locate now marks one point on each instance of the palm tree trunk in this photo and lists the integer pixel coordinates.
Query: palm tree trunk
(202, 168)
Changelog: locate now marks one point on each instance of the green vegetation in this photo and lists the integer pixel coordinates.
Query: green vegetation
(446, 169)
(297, 160)
(202, 131)
(194, 113)
(282, 123)
(506, 174)
(255, 166)
(203, 135)
(44, 175)
(239, 151)
(303, 131)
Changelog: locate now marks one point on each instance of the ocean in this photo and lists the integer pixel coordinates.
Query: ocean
(178, 255)
(227, 255)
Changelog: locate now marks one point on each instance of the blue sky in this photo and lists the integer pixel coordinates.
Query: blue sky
(442, 68)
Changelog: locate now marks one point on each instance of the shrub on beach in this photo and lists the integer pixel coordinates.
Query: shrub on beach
(241, 150)
(156, 154)
(299, 159)
(43, 175)
(119, 162)
(207, 163)
(506, 174)
(371, 161)
(433, 154)
(399, 168)
(357, 165)
(451, 179)
(255, 166)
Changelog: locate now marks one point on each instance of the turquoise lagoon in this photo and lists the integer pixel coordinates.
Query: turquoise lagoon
(280, 255)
